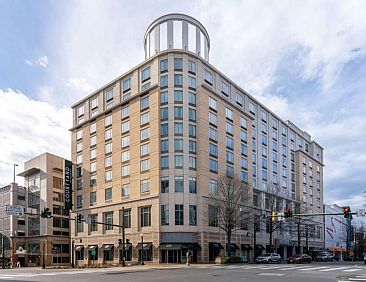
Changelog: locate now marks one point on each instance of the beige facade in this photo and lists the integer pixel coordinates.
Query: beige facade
(155, 140)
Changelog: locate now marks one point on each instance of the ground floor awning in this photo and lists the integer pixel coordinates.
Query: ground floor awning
(233, 246)
(215, 246)
(259, 247)
(92, 247)
(147, 246)
(79, 248)
(108, 247)
(246, 247)
(127, 247)
(179, 246)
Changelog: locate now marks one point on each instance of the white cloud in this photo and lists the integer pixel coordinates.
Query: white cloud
(80, 84)
(30, 128)
(41, 61)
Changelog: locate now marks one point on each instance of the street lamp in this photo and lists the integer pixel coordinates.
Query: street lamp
(142, 249)
(73, 251)
(14, 165)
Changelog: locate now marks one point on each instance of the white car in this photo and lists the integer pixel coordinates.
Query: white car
(269, 258)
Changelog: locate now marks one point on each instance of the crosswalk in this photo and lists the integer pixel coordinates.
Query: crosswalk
(291, 267)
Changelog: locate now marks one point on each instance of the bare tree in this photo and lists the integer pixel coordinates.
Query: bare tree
(231, 202)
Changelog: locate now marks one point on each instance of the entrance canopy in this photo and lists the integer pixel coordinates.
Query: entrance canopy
(147, 246)
(79, 248)
(215, 246)
(259, 247)
(108, 247)
(127, 247)
(179, 246)
(92, 247)
(246, 247)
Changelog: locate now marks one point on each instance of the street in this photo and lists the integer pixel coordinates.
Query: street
(336, 271)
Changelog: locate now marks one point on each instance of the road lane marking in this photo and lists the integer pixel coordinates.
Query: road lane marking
(271, 274)
(352, 270)
(335, 268)
(314, 268)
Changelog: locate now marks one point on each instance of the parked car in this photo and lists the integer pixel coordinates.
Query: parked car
(269, 258)
(299, 259)
(324, 256)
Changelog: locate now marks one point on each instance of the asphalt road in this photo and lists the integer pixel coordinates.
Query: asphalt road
(336, 271)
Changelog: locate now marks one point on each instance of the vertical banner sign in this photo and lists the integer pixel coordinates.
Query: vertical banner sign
(68, 185)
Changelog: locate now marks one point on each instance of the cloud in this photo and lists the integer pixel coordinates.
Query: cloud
(80, 84)
(30, 128)
(41, 61)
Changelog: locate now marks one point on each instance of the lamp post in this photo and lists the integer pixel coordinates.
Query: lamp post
(43, 255)
(142, 249)
(14, 165)
(72, 253)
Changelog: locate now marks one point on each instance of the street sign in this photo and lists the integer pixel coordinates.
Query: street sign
(361, 212)
(14, 210)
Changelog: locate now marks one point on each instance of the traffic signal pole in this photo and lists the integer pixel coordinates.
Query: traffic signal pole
(123, 237)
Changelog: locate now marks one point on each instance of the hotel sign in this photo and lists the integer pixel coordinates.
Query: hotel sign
(68, 185)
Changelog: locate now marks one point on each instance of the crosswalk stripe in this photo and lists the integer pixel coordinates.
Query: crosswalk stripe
(334, 268)
(313, 268)
(352, 270)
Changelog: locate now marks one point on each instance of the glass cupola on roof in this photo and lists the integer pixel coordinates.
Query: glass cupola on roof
(176, 31)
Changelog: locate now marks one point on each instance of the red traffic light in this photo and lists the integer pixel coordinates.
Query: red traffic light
(346, 212)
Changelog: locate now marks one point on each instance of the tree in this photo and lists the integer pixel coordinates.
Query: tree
(231, 203)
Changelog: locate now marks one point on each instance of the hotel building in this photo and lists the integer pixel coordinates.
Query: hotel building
(155, 140)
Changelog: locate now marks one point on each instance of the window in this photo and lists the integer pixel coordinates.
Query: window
(164, 214)
(125, 127)
(192, 114)
(164, 81)
(229, 114)
(179, 215)
(108, 120)
(244, 176)
(264, 140)
(251, 108)
(264, 163)
(145, 74)
(192, 131)
(144, 165)
(230, 143)
(164, 184)
(178, 80)
(93, 198)
(178, 129)
(108, 220)
(264, 116)
(125, 170)
(212, 133)
(244, 163)
(178, 96)
(212, 185)
(178, 64)
(213, 216)
(125, 218)
(243, 149)
(164, 65)
(192, 185)
(191, 67)
(108, 194)
(79, 201)
(79, 147)
(79, 134)
(179, 184)
(125, 156)
(93, 166)
(213, 166)
(144, 134)
(145, 216)
(94, 103)
(125, 190)
(208, 77)
(126, 85)
(192, 162)
(178, 112)
(192, 147)
(224, 88)
(80, 111)
(108, 175)
(164, 162)
(192, 215)
(229, 157)
(178, 145)
(163, 130)
(144, 149)
(145, 185)
(108, 148)
(93, 180)
(108, 134)
(213, 150)
(144, 103)
(243, 136)
(191, 82)
(239, 99)
(79, 184)
(212, 103)
(125, 141)
(229, 128)
(144, 118)
(275, 146)
(264, 175)
(93, 128)
(108, 161)
(79, 159)
(212, 118)
(164, 146)
(192, 98)
(243, 123)
(163, 97)
(284, 131)
(178, 161)
(229, 170)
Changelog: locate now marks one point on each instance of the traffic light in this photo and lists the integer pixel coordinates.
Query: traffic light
(287, 213)
(346, 212)
(78, 218)
(46, 213)
(127, 241)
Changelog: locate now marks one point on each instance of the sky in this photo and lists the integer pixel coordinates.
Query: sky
(304, 60)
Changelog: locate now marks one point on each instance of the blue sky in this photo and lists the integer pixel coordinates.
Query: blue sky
(305, 60)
